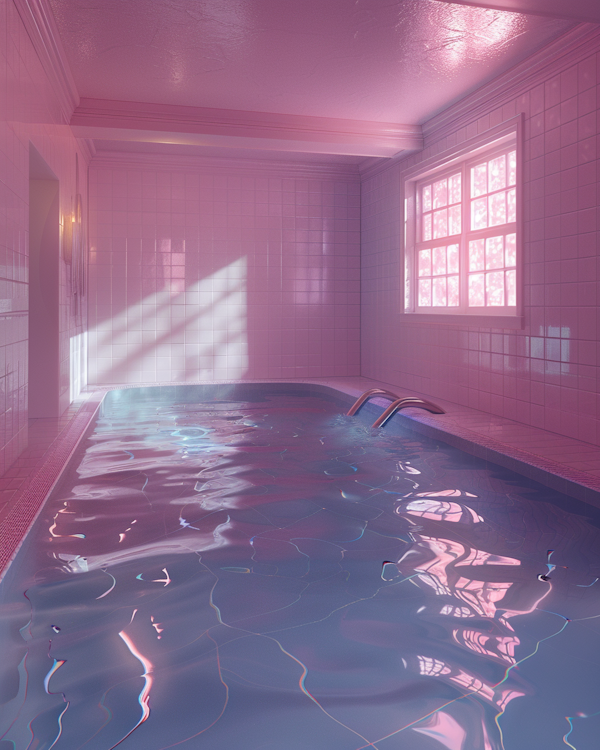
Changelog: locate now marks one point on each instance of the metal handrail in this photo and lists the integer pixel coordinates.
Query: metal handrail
(404, 403)
(371, 393)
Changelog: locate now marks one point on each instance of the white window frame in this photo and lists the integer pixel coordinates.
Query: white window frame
(471, 151)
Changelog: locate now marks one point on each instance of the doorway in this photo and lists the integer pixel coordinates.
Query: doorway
(44, 248)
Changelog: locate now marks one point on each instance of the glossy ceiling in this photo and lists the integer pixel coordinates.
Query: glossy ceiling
(373, 61)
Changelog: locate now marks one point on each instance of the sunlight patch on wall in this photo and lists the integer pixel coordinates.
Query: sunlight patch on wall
(180, 333)
(78, 356)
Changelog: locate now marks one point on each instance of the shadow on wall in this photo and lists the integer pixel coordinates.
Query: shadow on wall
(199, 331)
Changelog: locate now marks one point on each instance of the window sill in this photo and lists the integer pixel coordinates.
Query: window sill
(474, 321)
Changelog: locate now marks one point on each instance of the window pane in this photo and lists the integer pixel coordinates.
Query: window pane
(440, 276)
(427, 227)
(511, 288)
(510, 248)
(425, 262)
(478, 180)
(454, 195)
(439, 261)
(476, 255)
(494, 289)
(425, 292)
(497, 173)
(406, 284)
(476, 296)
(512, 168)
(427, 198)
(511, 200)
(452, 291)
(454, 220)
(439, 292)
(440, 193)
(479, 213)
(494, 255)
(497, 209)
(453, 259)
(440, 223)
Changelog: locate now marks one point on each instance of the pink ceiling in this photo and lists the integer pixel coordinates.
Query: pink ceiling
(381, 61)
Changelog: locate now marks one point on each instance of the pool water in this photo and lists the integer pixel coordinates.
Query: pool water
(264, 572)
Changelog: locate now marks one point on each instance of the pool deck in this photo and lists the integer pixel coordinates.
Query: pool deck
(562, 463)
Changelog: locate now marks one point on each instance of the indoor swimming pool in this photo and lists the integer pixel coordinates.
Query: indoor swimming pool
(247, 568)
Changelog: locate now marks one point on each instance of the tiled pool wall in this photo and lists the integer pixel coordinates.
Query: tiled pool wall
(293, 229)
(18, 517)
(203, 271)
(546, 374)
(32, 112)
(296, 228)
(253, 272)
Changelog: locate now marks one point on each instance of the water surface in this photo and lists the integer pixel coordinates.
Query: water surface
(271, 574)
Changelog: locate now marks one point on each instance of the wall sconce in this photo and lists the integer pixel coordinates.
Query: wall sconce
(73, 245)
(65, 239)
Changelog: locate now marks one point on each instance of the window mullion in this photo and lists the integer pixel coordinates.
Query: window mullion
(410, 242)
(493, 231)
(464, 242)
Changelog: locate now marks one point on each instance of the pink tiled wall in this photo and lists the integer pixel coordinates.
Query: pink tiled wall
(209, 270)
(546, 374)
(29, 111)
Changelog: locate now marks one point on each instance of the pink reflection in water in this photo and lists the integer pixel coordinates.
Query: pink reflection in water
(271, 590)
(144, 697)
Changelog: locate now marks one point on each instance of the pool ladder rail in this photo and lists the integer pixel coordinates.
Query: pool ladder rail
(396, 405)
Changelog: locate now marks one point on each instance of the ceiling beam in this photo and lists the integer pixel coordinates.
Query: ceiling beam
(161, 123)
(572, 10)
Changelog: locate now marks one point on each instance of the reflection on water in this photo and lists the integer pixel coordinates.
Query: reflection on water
(269, 574)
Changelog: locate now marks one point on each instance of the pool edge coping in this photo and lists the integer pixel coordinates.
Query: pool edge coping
(552, 474)
(573, 482)
(15, 526)
(26, 508)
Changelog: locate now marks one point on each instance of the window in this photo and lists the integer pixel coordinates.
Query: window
(462, 232)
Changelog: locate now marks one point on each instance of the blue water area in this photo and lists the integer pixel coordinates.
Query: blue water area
(255, 570)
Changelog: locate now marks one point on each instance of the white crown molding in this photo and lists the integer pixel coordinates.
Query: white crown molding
(568, 50)
(41, 28)
(564, 52)
(99, 118)
(87, 148)
(224, 165)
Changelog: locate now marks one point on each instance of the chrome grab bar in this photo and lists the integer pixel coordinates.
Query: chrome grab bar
(372, 393)
(404, 403)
